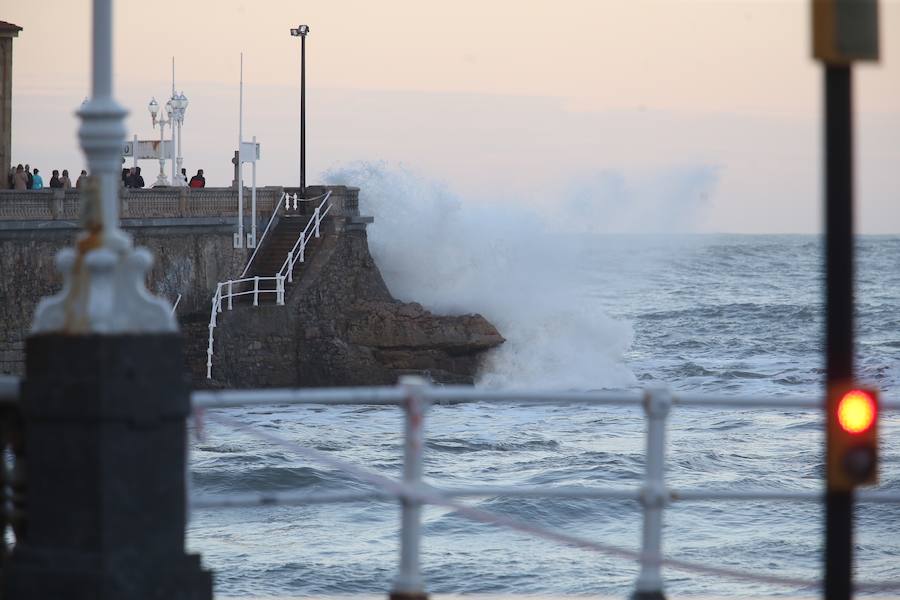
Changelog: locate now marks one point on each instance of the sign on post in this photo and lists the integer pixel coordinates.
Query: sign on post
(148, 149)
(249, 151)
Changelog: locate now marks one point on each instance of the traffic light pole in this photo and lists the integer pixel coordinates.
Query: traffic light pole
(838, 308)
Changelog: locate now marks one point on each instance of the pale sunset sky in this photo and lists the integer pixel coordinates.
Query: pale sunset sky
(707, 109)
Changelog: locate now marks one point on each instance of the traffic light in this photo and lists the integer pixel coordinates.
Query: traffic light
(852, 452)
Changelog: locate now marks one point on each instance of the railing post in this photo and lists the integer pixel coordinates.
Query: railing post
(279, 286)
(302, 246)
(218, 297)
(409, 584)
(209, 353)
(290, 265)
(316, 217)
(230, 293)
(256, 290)
(649, 585)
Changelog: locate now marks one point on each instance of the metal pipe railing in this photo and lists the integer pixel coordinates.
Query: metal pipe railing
(298, 251)
(287, 206)
(649, 585)
(265, 231)
(409, 578)
(415, 396)
(219, 296)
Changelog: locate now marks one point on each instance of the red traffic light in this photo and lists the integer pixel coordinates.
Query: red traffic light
(857, 411)
(852, 439)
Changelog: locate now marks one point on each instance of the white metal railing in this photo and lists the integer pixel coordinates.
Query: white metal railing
(298, 252)
(415, 396)
(225, 289)
(289, 201)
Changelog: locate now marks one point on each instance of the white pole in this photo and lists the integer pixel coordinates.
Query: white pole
(409, 579)
(253, 196)
(181, 180)
(161, 179)
(172, 152)
(240, 165)
(649, 585)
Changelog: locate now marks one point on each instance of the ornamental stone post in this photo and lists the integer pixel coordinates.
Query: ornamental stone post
(104, 404)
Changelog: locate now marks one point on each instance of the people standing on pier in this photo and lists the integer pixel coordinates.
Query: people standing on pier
(198, 180)
(29, 184)
(126, 173)
(54, 179)
(82, 179)
(66, 182)
(135, 180)
(38, 180)
(184, 177)
(20, 181)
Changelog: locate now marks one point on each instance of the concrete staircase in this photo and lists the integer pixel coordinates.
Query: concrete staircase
(272, 254)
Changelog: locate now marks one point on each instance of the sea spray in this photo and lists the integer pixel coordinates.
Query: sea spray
(502, 261)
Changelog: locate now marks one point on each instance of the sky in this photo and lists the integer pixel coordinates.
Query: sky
(707, 110)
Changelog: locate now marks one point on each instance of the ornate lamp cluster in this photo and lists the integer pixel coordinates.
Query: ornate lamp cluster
(175, 108)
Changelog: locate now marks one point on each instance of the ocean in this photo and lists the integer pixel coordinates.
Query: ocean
(581, 309)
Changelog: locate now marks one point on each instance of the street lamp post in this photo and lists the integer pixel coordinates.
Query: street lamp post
(301, 32)
(160, 119)
(179, 104)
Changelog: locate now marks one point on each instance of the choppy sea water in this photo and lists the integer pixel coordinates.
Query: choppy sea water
(713, 314)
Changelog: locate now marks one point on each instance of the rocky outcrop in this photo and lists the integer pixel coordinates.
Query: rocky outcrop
(341, 326)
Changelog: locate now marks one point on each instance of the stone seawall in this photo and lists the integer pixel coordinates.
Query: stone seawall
(188, 261)
(340, 325)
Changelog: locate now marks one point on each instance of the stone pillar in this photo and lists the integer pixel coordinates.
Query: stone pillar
(104, 421)
(104, 402)
(7, 32)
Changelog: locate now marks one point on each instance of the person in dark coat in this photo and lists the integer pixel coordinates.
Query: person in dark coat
(135, 180)
(54, 179)
(198, 180)
(29, 185)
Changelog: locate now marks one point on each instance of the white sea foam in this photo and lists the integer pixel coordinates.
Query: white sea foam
(501, 261)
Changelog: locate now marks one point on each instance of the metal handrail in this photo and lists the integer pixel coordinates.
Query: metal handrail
(218, 296)
(298, 251)
(292, 257)
(265, 231)
(415, 397)
(287, 206)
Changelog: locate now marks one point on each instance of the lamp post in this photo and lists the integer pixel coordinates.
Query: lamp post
(301, 32)
(161, 120)
(179, 105)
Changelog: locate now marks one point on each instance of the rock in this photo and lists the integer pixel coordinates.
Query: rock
(341, 326)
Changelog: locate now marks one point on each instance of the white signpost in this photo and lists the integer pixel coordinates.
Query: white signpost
(247, 152)
(147, 150)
